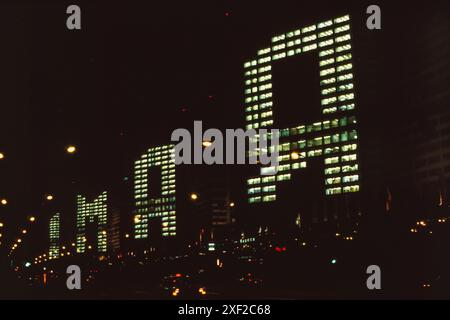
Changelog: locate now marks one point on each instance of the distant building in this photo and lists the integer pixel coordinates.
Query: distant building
(213, 209)
(54, 234)
(113, 231)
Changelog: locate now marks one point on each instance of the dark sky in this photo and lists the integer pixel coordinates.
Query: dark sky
(136, 71)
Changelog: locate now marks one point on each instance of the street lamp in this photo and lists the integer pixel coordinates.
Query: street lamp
(2, 156)
(194, 196)
(71, 149)
(295, 155)
(4, 202)
(206, 143)
(32, 219)
(49, 197)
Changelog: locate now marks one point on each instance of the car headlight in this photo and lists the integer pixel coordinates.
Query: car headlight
(175, 292)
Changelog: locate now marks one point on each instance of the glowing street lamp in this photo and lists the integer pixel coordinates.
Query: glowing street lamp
(49, 197)
(4, 202)
(206, 143)
(71, 149)
(194, 196)
(295, 155)
(32, 219)
(2, 156)
(24, 231)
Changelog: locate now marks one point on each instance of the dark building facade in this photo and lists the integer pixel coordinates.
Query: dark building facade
(405, 124)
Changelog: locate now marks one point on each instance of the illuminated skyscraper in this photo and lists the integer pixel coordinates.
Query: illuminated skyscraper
(54, 232)
(154, 194)
(89, 213)
(303, 84)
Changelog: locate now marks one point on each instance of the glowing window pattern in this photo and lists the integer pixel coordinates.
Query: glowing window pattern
(88, 211)
(162, 207)
(333, 137)
(54, 227)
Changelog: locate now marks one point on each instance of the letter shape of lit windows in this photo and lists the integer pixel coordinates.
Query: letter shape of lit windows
(162, 206)
(334, 136)
(88, 211)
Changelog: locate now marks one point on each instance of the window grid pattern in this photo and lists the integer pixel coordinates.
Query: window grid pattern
(163, 207)
(334, 137)
(86, 213)
(54, 232)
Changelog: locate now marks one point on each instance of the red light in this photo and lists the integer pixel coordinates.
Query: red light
(277, 249)
(284, 248)
(178, 275)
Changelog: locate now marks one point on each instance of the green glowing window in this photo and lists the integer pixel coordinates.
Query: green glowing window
(269, 198)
